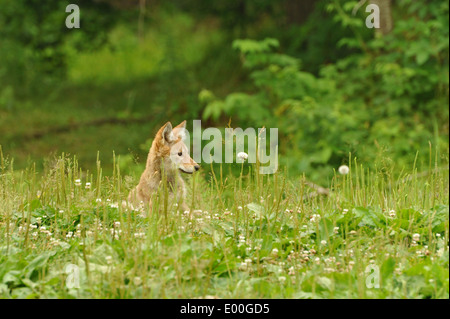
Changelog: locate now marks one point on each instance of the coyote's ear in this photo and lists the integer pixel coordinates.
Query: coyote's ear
(179, 130)
(167, 134)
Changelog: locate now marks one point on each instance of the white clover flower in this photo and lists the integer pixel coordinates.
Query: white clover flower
(108, 259)
(242, 155)
(137, 281)
(78, 182)
(392, 213)
(343, 169)
(416, 237)
(282, 278)
(243, 266)
(323, 242)
(291, 271)
(88, 185)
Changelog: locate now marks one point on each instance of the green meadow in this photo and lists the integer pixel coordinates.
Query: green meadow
(79, 108)
(66, 234)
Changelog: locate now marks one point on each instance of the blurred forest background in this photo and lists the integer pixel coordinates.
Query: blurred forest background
(310, 68)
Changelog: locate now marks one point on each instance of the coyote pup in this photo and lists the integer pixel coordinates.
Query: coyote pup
(168, 155)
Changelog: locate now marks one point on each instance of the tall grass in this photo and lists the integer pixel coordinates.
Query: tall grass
(247, 236)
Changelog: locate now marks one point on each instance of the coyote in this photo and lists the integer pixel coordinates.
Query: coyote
(168, 155)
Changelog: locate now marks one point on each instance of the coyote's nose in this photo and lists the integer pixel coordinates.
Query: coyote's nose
(197, 167)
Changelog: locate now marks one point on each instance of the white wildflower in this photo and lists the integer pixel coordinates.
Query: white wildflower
(343, 169)
(137, 281)
(242, 155)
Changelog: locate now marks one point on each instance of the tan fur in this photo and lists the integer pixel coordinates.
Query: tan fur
(164, 158)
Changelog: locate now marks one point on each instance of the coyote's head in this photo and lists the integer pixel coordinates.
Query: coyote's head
(173, 150)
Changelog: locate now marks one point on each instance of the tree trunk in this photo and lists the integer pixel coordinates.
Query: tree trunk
(297, 12)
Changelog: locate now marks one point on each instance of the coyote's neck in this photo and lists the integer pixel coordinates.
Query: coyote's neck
(159, 167)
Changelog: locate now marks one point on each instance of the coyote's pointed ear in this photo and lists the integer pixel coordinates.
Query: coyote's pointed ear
(179, 130)
(167, 134)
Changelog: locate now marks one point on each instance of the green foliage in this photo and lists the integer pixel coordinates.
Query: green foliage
(387, 99)
(127, 57)
(33, 37)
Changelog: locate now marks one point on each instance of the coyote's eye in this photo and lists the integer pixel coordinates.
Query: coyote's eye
(180, 153)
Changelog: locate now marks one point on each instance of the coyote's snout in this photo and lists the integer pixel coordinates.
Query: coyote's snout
(168, 155)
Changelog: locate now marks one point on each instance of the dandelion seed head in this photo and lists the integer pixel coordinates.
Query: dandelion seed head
(343, 169)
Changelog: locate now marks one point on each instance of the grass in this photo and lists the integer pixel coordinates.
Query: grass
(248, 236)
